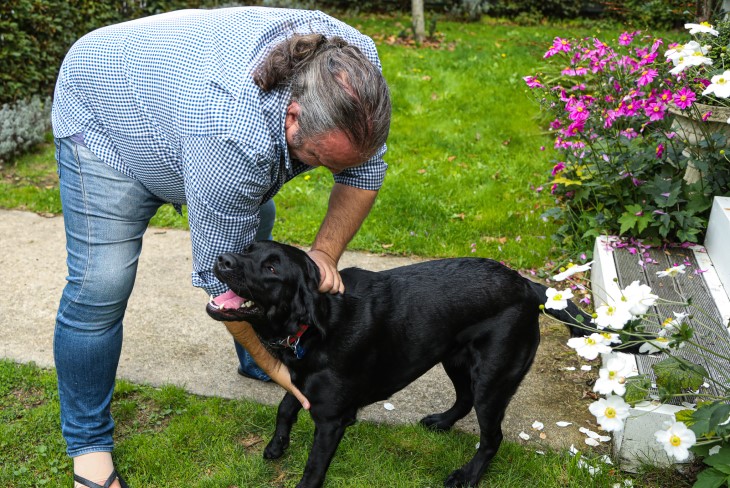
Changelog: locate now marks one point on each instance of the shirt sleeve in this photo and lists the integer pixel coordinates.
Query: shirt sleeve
(224, 184)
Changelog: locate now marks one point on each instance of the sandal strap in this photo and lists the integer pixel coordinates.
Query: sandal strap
(107, 484)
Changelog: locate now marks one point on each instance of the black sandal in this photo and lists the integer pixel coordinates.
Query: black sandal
(109, 481)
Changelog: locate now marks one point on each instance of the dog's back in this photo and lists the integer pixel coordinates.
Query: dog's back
(393, 326)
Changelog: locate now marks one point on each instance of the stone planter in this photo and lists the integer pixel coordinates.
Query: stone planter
(689, 128)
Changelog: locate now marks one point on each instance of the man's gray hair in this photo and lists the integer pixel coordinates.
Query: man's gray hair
(336, 87)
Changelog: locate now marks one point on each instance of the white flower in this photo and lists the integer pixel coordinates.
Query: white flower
(654, 345)
(676, 440)
(720, 85)
(675, 270)
(610, 338)
(610, 412)
(703, 27)
(589, 347)
(671, 325)
(557, 299)
(612, 378)
(685, 61)
(572, 269)
(638, 298)
(612, 316)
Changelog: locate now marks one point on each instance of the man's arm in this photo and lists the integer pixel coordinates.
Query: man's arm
(244, 334)
(347, 209)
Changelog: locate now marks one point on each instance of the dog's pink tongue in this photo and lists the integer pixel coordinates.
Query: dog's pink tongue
(228, 300)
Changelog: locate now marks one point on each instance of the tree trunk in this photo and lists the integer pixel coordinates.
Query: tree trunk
(419, 23)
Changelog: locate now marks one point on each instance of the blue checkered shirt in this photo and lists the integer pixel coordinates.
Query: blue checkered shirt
(169, 100)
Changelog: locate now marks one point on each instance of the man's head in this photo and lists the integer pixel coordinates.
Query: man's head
(338, 97)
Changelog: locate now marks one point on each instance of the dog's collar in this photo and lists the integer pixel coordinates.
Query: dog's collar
(292, 341)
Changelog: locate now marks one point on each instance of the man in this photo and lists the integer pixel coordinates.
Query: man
(215, 109)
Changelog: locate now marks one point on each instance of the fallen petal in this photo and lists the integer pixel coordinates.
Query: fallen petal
(524, 436)
(388, 406)
(538, 425)
(592, 442)
(563, 423)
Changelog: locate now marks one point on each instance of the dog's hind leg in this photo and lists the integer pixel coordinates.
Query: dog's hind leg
(457, 368)
(501, 364)
(285, 418)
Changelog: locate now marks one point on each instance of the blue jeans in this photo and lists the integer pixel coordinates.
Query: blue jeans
(105, 215)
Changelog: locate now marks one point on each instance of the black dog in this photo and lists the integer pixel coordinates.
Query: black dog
(475, 316)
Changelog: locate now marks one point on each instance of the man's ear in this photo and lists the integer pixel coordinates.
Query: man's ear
(292, 116)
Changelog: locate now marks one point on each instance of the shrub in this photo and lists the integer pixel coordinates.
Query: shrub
(622, 165)
(23, 125)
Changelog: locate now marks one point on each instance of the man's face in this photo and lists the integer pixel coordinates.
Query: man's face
(333, 150)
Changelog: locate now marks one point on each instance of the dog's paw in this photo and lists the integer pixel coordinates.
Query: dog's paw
(276, 447)
(436, 422)
(459, 479)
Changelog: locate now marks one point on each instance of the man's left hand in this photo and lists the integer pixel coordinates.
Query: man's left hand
(330, 279)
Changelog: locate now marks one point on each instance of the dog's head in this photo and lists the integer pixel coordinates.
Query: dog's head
(279, 287)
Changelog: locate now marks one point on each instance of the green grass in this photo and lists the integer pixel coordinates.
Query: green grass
(168, 438)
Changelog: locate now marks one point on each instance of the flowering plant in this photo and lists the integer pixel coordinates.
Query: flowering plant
(621, 161)
(629, 319)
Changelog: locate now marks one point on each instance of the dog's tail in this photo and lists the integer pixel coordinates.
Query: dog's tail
(578, 327)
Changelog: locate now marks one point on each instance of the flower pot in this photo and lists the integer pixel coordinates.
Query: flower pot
(691, 128)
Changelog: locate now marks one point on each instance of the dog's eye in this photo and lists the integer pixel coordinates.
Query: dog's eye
(271, 268)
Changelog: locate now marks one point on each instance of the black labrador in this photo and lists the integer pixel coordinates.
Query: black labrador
(475, 316)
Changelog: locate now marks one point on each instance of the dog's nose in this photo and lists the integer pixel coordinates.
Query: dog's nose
(227, 261)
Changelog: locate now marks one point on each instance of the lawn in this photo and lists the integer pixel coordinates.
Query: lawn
(168, 438)
(465, 162)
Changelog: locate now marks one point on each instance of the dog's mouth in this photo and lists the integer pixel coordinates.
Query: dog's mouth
(231, 307)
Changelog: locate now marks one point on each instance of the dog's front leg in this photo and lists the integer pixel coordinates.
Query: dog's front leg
(327, 436)
(285, 418)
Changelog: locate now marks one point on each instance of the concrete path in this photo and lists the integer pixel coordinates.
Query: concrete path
(169, 339)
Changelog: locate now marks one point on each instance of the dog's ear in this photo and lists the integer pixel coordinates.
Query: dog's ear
(308, 305)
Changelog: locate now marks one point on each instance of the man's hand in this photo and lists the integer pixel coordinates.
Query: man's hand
(330, 280)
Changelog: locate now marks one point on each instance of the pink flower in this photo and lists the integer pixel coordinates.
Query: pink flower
(626, 38)
(655, 111)
(577, 110)
(575, 128)
(629, 133)
(660, 150)
(532, 82)
(647, 76)
(574, 71)
(561, 44)
(684, 97)
(706, 116)
(558, 168)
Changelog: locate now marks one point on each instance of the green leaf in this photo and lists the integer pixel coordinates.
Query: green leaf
(710, 478)
(637, 389)
(684, 416)
(677, 374)
(720, 414)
